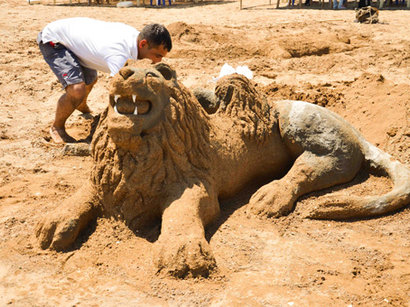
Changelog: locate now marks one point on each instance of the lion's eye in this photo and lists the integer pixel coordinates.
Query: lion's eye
(150, 78)
(151, 74)
(153, 81)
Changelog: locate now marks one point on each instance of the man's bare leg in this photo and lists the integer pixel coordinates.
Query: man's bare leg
(66, 105)
(83, 107)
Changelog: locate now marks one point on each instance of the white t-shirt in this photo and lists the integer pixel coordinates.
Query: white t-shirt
(99, 45)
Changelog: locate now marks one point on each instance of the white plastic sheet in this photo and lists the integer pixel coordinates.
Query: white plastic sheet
(228, 70)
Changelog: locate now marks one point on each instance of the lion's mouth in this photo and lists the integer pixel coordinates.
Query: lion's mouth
(128, 105)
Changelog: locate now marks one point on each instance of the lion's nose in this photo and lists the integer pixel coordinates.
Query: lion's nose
(126, 72)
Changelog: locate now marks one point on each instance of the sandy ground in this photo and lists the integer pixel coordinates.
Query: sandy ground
(360, 71)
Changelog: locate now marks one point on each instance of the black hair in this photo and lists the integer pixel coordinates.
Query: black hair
(156, 35)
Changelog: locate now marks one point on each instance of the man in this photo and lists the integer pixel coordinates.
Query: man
(76, 48)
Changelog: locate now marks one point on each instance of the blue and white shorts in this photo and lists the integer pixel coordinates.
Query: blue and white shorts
(65, 64)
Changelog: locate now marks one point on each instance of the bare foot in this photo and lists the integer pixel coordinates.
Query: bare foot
(83, 108)
(86, 115)
(59, 136)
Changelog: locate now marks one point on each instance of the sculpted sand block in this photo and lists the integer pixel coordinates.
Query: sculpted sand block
(158, 154)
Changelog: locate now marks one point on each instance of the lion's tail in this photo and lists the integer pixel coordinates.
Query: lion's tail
(342, 206)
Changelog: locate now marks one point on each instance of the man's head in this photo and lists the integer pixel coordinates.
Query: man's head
(154, 42)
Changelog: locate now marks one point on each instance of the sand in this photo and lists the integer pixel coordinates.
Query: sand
(360, 71)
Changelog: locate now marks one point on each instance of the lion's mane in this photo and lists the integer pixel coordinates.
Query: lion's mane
(248, 108)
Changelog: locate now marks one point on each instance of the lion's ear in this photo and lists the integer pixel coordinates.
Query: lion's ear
(131, 62)
(166, 71)
(127, 62)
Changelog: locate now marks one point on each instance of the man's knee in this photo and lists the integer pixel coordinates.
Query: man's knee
(77, 92)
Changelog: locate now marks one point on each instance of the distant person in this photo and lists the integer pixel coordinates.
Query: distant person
(339, 6)
(76, 48)
(159, 2)
(364, 3)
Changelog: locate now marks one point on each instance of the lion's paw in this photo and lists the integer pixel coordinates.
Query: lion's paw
(58, 232)
(269, 202)
(184, 257)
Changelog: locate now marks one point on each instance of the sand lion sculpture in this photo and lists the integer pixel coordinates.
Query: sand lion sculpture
(158, 154)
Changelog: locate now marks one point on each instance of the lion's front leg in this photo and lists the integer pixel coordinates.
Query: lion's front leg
(61, 228)
(182, 249)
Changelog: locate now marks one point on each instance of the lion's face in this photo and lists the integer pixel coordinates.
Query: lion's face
(139, 94)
